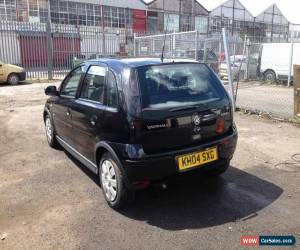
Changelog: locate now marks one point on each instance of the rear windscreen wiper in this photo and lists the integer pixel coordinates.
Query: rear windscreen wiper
(193, 107)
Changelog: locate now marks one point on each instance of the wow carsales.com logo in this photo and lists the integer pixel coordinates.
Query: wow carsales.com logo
(288, 240)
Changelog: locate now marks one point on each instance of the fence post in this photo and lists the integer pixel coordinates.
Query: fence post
(173, 41)
(229, 73)
(290, 64)
(196, 44)
(240, 66)
(134, 40)
(297, 90)
(49, 45)
(220, 52)
(247, 58)
(103, 32)
(204, 51)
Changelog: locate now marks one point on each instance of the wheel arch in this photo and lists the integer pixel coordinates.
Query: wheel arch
(45, 113)
(103, 147)
(12, 73)
(269, 69)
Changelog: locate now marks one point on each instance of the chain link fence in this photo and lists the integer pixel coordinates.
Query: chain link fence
(259, 70)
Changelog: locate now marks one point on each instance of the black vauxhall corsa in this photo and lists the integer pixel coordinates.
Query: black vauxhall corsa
(134, 121)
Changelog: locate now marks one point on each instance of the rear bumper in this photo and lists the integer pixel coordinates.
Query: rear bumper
(161, 166)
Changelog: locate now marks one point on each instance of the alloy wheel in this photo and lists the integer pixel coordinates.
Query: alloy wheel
(109, 180)
(13, 80)
(48, 126)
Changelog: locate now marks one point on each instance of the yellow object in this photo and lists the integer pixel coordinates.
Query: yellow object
(196, 159)
(11, 73)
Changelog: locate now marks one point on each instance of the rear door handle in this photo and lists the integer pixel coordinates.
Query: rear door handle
(93, 120)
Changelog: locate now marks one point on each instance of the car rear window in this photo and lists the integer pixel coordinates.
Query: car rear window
(176, 85)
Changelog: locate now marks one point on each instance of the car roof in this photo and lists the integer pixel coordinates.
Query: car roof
(137, 62)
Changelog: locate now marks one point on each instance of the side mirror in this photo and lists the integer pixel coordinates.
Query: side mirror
(51, 91)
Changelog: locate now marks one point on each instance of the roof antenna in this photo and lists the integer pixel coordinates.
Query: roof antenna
(163, 48)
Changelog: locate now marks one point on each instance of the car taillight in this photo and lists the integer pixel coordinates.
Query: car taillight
(220, 125)
(136, 125)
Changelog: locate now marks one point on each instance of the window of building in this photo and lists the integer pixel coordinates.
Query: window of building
(90, 15)
(238, 25)
(216, 24)
(114, 17)
(33, 7)
(171, 22)
(117, 17)
(186, 23)
(226, 23)
(128, 17)
(81, 10)
(121, 16)
(65, 12)
(107, 16)
(8, 10)
(201, 24)
(97, 11)
(152, 22)
(43, 12)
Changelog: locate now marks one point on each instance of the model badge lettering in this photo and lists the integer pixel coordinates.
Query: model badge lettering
(157, 126)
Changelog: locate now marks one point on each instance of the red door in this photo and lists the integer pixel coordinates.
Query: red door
(34, 49)
(139, 21)
(65, 48)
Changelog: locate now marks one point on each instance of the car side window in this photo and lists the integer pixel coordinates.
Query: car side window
(71, 83)
(94, 83)
(112, 91)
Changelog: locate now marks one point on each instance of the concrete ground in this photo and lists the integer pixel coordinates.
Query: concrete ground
(275, 99)
(49, 201)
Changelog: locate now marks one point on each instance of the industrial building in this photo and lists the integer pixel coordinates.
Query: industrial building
(116, 14)
(155, 17)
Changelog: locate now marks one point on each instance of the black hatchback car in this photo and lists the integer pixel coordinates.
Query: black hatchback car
(137, 121)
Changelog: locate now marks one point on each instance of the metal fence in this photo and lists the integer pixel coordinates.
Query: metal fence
(253, 88)
(50, 51)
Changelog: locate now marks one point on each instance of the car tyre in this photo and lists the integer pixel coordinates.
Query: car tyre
(270, 76)
(114, 190)
(50, 133)
(13, 79)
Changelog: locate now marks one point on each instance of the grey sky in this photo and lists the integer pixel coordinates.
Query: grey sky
(290, 8)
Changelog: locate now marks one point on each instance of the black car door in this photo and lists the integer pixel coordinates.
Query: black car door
(61, 108)
(88, 111)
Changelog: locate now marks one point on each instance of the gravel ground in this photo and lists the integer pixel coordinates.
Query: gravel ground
(49, 201)
(275, 99)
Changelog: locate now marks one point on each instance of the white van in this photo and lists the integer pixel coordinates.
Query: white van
(275, 60)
